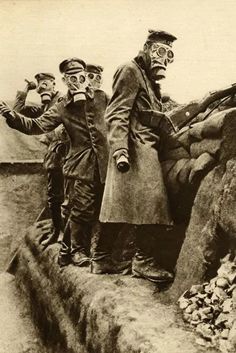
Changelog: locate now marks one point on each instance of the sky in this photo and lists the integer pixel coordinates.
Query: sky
(36, 35)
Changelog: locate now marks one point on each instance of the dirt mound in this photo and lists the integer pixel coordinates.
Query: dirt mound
(22, 198)
(18, 335)
(81, 312)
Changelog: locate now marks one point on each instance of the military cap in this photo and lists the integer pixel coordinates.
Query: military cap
(71, 65)
(44, 76)
(96, 69)
(155, 35)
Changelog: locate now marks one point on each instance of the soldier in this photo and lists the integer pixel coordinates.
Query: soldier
(94, 74)
(56, 142)
(134, 191)
(94, 78)
(81, 112)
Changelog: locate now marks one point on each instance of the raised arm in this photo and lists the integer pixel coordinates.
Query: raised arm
(20, 106)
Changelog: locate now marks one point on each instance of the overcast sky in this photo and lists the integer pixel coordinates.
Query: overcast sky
(36, 36)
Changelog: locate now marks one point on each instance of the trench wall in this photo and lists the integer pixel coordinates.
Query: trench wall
(22, 196)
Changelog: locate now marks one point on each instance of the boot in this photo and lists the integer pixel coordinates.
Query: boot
(108, 266)
(143, 264)
(57, 224)
(64, 256)
(146, 267)
(102, 263)
(78, 244)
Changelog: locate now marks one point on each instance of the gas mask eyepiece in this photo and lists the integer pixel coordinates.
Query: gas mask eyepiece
(160, 55)
(162, 52)
(94, 79)
(76, 79)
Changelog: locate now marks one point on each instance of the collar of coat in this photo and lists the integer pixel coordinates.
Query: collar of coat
(143, 61)
(67, 99)
(54, 94)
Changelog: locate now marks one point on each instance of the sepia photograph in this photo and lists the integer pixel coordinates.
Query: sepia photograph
(118, 176)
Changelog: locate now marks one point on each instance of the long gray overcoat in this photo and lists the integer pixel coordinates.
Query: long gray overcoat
(139, 195)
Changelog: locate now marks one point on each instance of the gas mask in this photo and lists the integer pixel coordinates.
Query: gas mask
(94, 79)
(45, 88)
(77, 84)
(160, 55)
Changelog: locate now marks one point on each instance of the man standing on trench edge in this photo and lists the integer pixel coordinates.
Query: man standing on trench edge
(100, 99)
(94, 79)
(134, 191)
(81, 112)
(56, 142)
(94, 75)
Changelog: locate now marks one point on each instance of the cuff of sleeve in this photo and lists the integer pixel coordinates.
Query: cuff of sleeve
(120, 152)
(21, 94)
(11, 116)
(119, 146)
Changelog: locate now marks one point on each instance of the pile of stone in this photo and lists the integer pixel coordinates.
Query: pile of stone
(210, 308)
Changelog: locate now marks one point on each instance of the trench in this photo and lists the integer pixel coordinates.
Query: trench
(21, 197)
(46, 309)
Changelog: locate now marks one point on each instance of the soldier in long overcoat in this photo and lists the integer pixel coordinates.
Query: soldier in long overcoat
(134, 191)
(81, 112)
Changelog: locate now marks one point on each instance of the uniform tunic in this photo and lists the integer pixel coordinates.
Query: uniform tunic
(85, 127)
(56, 140)
(86, 161)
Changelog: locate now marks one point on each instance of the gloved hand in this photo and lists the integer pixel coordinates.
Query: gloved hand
(165, 98)
(122, 160)
(30, 85)
(61, 149)
(90, 91)
(5, 110)
(79, 90)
